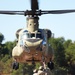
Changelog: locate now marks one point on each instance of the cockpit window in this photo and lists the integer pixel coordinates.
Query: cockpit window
(25, 36)
(32, 35)
(38, 35)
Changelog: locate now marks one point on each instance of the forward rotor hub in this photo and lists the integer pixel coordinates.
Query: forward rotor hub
(33, 13)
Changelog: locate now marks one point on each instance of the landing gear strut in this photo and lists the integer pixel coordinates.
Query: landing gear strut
(33, 61)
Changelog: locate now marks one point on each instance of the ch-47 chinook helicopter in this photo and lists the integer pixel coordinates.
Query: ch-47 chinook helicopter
(32, 42)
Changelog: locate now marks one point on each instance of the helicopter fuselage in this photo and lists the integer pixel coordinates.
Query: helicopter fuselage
(32, 43)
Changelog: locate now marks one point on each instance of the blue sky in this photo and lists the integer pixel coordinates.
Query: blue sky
(61, 25)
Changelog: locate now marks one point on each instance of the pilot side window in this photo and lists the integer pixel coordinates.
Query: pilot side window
(25, 36)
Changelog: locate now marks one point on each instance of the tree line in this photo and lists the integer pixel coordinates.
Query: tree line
(64, 56)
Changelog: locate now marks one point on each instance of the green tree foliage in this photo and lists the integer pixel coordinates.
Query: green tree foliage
(70, 57)
(67, 43)
(25, 69)
(64, 52)
(7, 66)
(70, 54)
(10, 45)
(59, 52)
(5, 58)
(1, 37)
(1, 66)
(3, 49)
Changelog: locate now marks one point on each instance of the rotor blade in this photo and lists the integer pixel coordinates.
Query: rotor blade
(57, 11)
(12, 12)
(34, 5)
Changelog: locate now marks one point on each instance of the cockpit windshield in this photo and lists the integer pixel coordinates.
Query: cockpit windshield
(32, 35)
(27, 35)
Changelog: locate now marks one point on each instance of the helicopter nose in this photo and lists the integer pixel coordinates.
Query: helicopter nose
(33, 42)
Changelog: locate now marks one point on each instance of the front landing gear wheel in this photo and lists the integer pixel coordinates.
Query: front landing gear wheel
(50, 65)
(15, 65)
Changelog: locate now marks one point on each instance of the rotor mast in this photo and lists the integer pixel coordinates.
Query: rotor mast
(32, 23)
(33, 19)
